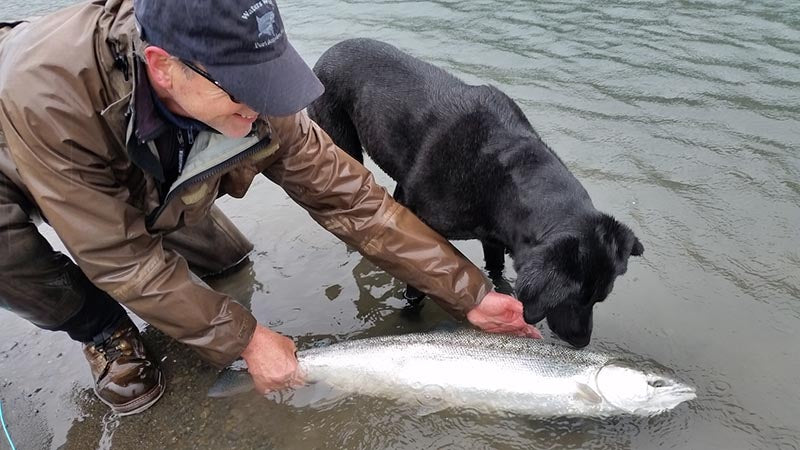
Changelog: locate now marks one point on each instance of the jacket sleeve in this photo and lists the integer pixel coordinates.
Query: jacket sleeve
(342, 196)
(58, 151)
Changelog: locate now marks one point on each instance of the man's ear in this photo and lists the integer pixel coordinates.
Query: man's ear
(160, 66)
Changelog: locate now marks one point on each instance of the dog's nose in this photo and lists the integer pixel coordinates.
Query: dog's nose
(533, 315)
(579, 343)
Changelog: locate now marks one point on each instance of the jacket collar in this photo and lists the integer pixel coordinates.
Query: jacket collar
(148, 122)
(119, 31)
(141, 148)
(152, 115)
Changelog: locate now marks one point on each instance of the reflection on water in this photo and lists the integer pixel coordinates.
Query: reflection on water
(681, 118)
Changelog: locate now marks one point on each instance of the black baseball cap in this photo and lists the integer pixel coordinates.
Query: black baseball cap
(240, 43)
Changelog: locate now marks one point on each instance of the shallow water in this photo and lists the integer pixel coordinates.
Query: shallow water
(681, 118)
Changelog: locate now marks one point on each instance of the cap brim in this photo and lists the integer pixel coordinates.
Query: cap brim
(279, 87)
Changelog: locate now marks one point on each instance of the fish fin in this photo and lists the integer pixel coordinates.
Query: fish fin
(425, 410)
(587, 394)
(231, 382)
(430, 399)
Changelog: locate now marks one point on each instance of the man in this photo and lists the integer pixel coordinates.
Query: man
(123, 121)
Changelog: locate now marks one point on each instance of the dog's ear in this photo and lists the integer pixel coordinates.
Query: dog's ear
(638, 248)
(628, 242)
(619, 240)
(549, 277)
(565, 256)
(531, 282)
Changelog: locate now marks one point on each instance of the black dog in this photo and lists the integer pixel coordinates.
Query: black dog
(469, 164)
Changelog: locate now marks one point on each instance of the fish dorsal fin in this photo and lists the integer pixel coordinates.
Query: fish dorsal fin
(587, 394)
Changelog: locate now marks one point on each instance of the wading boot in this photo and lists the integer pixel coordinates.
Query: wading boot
(125, 377)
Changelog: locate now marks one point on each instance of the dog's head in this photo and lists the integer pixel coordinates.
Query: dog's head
(563, 278)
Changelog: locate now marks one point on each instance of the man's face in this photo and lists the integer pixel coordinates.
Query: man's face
(189, 94)
(201, 99)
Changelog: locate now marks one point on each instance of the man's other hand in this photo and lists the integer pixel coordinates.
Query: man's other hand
(500, 313)
(271, 361)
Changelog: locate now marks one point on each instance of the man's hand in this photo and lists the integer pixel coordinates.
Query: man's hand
(500, 313)
(271, 361)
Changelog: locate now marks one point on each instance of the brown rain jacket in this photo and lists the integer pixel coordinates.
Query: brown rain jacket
(66, 110)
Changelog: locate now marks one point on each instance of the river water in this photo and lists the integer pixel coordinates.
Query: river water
(681, 118)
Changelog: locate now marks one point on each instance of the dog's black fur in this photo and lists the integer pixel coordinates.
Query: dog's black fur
(469, 164)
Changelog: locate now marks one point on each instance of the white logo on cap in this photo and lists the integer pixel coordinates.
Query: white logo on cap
(266, 24)
(253, 8)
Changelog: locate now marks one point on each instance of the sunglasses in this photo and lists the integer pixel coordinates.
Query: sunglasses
(206, 75)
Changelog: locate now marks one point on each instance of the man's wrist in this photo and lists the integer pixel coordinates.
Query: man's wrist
(250, 348)
(480, 298)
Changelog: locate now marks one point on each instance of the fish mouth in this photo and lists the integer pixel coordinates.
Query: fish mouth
(667, 400)
(679, 393)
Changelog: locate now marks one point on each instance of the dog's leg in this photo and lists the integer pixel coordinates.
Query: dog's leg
(399, 194)
(336, 122)
(494, 255)
(413, 295)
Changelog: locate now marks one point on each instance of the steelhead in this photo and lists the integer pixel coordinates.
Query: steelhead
(489, 372)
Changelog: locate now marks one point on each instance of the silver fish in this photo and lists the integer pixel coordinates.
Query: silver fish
(488, 372)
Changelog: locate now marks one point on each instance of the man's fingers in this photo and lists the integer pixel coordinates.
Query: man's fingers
(527, 329)
(265, 389)
(509, 329)
(522, 328)
(512, 323)
(298, 379)
(516, 306)
(293, 380)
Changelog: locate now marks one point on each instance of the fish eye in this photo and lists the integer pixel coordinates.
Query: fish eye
(657, 383)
